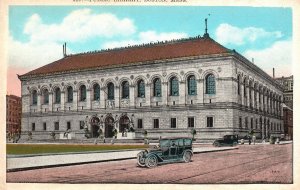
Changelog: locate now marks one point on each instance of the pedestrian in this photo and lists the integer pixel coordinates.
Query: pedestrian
(253, 139)
(249, 139)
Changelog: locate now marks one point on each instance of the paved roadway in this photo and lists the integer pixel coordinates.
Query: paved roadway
(248, 164)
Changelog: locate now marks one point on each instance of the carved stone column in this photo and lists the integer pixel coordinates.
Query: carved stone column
(165, 93)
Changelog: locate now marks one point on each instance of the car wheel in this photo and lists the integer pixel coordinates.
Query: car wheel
(234, 144)
(151, 161)
(187, 156)
(216, 144)
(140, 159)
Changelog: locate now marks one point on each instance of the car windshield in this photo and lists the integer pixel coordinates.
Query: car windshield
(164, 143)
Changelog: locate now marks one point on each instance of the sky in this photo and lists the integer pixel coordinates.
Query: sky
(37, 33)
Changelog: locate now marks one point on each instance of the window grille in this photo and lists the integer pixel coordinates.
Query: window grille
(210, 84)
(192, 85)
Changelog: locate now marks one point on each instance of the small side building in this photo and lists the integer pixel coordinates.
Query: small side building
(13, 115)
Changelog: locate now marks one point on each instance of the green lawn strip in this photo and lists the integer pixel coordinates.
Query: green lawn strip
(16, 149)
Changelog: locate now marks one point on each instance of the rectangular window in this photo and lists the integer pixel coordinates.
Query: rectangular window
(45, 126)
(56, 125)
(140, 123)
(68, 125)
(240, 123)
(33, 126)
(246, 122)
(81, 124)
(191, 122)
(251, 123)
(210, 121)
(173, 122)
(156, 123)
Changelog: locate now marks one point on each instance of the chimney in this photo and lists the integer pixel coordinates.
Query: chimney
(273, 72)
(252, 60)
(64, 49)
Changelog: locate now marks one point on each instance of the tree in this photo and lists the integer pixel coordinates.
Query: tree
(193, 132)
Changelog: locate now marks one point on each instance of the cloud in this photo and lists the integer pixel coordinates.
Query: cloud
(278, 56)
(79, 25)
(30, 55)
(145, 37)
(228, 34)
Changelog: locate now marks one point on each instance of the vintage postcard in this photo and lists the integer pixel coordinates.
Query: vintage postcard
(158, 94)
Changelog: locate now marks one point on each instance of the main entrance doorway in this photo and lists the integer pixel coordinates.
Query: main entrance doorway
(124, 124)
(95, 127)
(109, 126)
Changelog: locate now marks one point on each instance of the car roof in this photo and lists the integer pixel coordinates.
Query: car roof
(174, 138)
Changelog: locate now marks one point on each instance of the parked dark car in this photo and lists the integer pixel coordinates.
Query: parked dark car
(227, 140)
(169, 150)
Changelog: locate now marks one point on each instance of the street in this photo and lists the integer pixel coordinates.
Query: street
(248, 164)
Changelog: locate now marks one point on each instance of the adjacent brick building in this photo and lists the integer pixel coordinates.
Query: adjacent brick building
(13, 114)
(288, 87)
(167, 88)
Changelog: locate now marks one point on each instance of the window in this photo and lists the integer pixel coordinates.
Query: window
(141, 88)
(44, 126)
(68, 125)
(191, 122)
(96, 89)
(81, 124)
(125, 89)
(34, 97)
(192, 85)
(33, 126)
(173, 122)
(56, 125)
(156, 123)
(245, 91)
(209, 121)
(240, 123)
(82, 90)
(157, 87)
(111, 91)
(210, 84)
(46, 96)
(251, 123)
(140, 123)
(70, 94)
(239, 85)
(246, 122)
(57, 95)
(174, 87)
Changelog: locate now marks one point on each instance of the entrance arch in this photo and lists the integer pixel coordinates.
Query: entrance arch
(109, 126)
(124, 124)
(95, 127)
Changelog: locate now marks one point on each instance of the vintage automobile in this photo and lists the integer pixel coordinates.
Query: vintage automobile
(227, 140)
(169, 150)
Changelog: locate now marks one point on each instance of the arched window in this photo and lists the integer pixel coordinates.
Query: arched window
(210, 84)
(174, 87)
(34, 97)
(192, 85)
(250, 91)
(239, 85)
(141, 88)
(125, 89)
(70, 94)
(245, 91)
(157, 88)
(110, 91)
(96, 89)
(57, 95)
(82, 90)
(46, 96)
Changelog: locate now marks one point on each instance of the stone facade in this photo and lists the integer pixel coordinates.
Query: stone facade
(241, 94)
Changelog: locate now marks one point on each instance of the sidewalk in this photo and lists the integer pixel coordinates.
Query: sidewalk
(23, 162)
